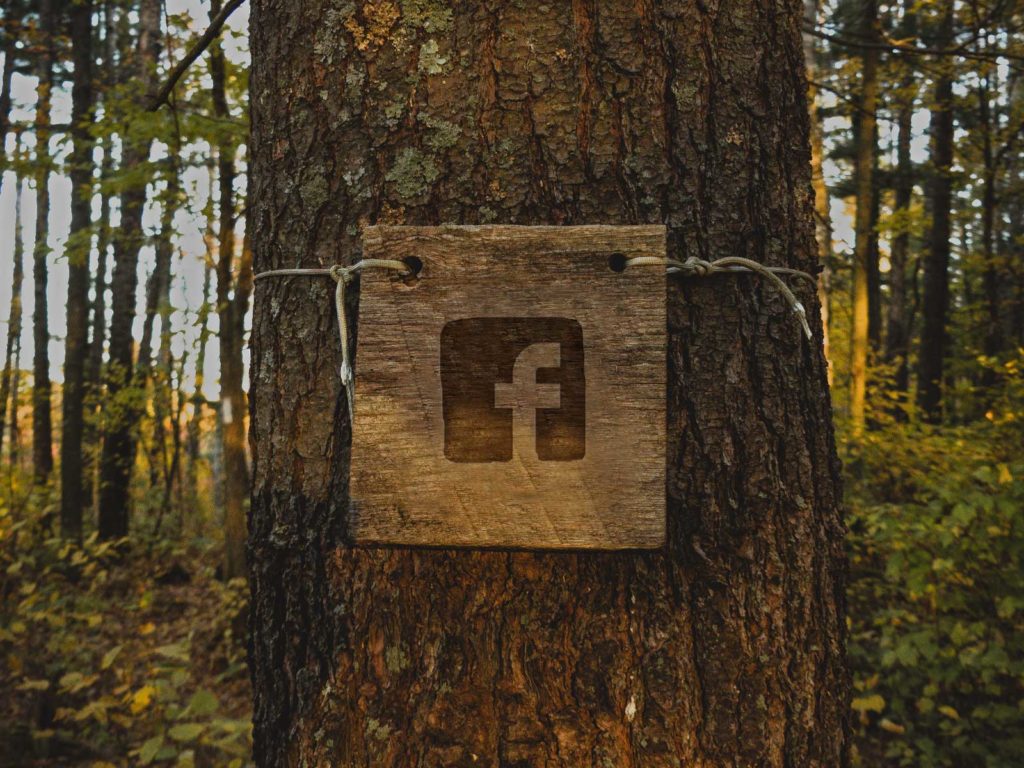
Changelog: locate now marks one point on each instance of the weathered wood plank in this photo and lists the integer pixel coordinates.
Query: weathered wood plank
(513, 394)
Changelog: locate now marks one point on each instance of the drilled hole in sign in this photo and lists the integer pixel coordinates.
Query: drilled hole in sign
(414, 265)
(617, 262)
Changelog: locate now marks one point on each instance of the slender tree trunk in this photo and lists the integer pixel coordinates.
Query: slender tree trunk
(159, 284)
(863, 220)
(92, 433)
(193, 430)
(874, 259)
(98, 307)
(725, 648)
(935, 303)
(42, 427)
(14, 446)
(118, 454)
(232, 302)
(897, 337)
(8, 377)
(75, 348)
(161, 373)
(991, 277)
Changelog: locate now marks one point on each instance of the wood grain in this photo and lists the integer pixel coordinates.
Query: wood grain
(504, 322)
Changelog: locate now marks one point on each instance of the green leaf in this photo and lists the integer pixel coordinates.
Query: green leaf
(149, 750)
(110, 656)
(186, 731)
(176, 651)
(872, 703)
(202, 704)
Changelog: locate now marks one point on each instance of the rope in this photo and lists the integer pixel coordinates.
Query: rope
(692, 267)
(341, 276)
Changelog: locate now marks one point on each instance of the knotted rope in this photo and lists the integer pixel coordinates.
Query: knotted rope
(692, 267)
(341, 276)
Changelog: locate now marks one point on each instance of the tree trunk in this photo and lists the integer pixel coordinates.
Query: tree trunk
(9, 374)
(98, 307)
(232, 303)
(992, 277)
(161, 373)
(75, 348)
(935, 304)
(118, 454)
(863, 220)
(42, 427)
(822, 200)
(725, 648)
(897, 337)
(192, 431)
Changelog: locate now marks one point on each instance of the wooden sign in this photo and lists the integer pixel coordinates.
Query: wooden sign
(513, 393)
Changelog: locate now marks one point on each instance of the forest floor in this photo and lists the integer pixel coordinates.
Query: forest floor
(132, 653)
(118, 654)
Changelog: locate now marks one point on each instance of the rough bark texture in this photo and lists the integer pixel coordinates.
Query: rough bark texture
(822, 198)
(75, 348)
(724, 649)
(935, 299)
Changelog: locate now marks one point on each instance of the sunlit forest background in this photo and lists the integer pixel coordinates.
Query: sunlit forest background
(125, 280)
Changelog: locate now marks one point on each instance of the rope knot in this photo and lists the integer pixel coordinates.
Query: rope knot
(339, 273)
(698, 267)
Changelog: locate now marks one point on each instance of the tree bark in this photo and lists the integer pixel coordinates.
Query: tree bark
(42, 427)
(864, 219)
(935, 302)
(233, 290)
(822, 199)
(75, 348)
(725, 648)
(118, 454)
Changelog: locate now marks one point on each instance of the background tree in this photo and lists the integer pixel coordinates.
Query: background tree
(75, 349)
(119, 439)
(42, 428)
(935, 306)
(234, 286)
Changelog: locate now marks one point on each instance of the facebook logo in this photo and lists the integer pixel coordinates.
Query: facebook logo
(513, 387)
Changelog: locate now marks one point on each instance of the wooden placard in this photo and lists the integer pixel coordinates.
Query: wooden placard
(513, 394)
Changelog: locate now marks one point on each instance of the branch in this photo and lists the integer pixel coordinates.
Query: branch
(894, 47)
(216, 24)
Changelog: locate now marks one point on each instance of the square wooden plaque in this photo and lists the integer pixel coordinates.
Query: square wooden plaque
(513, 394)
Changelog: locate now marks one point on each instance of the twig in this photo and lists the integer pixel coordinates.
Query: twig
(894, 47)
(194, 53)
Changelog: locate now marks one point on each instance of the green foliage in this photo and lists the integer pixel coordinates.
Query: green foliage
(937, 590)
(114, 654)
